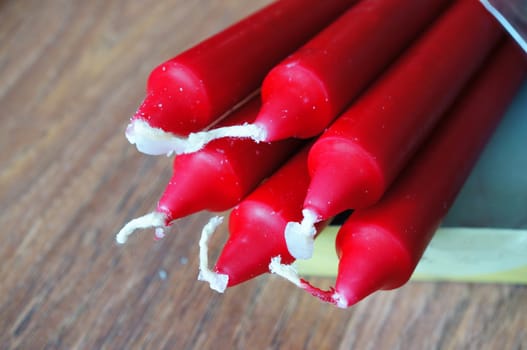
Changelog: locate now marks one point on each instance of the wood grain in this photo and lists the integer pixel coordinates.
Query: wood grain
(71, 73)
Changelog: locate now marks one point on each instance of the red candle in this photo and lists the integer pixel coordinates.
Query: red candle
(306, 91)
(356, 159)
(379, 247)
(217, 177)
(193, 89)
(257, 223)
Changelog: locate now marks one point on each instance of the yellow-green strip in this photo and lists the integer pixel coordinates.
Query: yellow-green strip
(455, 254)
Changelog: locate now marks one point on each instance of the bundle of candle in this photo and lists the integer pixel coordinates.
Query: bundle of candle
(394, 101)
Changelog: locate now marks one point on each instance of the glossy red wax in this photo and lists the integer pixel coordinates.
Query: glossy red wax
(379, 247)
(356, 159)
(257, 224)
(218, 176)
(191, 90)
(306, 91)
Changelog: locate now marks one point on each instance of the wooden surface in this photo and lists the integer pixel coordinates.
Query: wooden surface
(71, 74)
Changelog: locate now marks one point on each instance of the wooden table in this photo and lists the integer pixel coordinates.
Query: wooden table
(71, 73)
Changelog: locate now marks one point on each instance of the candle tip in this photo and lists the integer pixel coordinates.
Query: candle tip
(300, 237)
(217, 281)
(340, 300)
(286, 271)
(154, 219)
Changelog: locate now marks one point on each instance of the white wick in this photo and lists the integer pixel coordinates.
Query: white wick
(153, 219)
(300, 237)
(198, 140)
(286, 271)
(217, 281)
(289, 273)
(155, 141)
(151, 140)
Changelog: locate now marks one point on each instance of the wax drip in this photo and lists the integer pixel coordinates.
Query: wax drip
(217, 281)
(300, 237)
(154, 219)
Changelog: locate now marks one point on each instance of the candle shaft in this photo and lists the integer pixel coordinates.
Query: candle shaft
(193, 89)
(379, 247)
(306, 91)
(256, 225)
(356, 159)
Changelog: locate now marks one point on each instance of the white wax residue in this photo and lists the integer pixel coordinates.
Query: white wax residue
(151, 140)
(286, 271)
(155, 141)
(217, 281)
(300, 237)
(153, 219)
(198, 140)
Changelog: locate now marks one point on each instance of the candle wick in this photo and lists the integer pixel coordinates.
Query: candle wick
(217, 281)
(155, 141)
(197, 140)
(153, 219)
(289, 273)
(151, 140)
(285, 271)
(300, 237)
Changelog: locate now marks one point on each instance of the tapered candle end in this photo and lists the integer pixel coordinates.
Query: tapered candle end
(155, 219)
(295, 103)
(200, 181)
(177, 101)
(371, 259)
(300, 237)
(216, 281)
(256, 235)
(354, 178)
